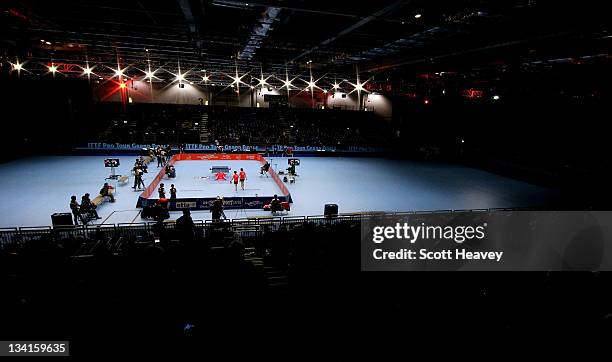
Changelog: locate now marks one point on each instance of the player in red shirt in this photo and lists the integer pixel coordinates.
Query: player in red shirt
(242, 178)
(235, 178)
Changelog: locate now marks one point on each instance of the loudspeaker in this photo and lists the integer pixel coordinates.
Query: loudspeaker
(147, 212)
(61, 219)
(331, 210)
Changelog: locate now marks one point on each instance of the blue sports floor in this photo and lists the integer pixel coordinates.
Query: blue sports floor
(34, 188)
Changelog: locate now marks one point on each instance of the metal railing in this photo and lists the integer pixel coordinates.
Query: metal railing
(245, 228)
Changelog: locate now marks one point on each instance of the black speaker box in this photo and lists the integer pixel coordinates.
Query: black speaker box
(61, 219)
(331, 210)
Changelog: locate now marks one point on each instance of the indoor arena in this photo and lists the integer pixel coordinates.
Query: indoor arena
(179, 175)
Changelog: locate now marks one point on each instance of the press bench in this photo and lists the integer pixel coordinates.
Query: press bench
(100, 199)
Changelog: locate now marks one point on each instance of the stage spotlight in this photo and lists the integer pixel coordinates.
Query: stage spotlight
(122, 85)
(52, 68)
(336, 86)
(426, 101)
(205, 78)
(325, 91)
(17, 66)
(417, 16)
(118, 72)
(179, 77)
(496, 97)
(87, 70)
(48, 42)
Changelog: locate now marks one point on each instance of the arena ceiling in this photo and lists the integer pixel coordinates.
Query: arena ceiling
(329, 38)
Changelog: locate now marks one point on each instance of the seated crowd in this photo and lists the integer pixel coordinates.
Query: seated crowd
(157, 123)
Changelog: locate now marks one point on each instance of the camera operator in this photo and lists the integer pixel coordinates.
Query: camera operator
(217, 209)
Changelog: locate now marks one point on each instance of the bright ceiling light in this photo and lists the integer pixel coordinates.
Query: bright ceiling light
(17, 66)
(149, 74)
(417, 16)
(87, 70)
(236, 80)
(179, 77)
(206, 78)
(52, 68)
(336, 86)
(118, 72)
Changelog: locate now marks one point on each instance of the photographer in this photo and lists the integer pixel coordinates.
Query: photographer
(88, 207)
(275, 205)
(265, 168)
(170, 171)
(76, 213)
(106, 191)
(138, 179)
